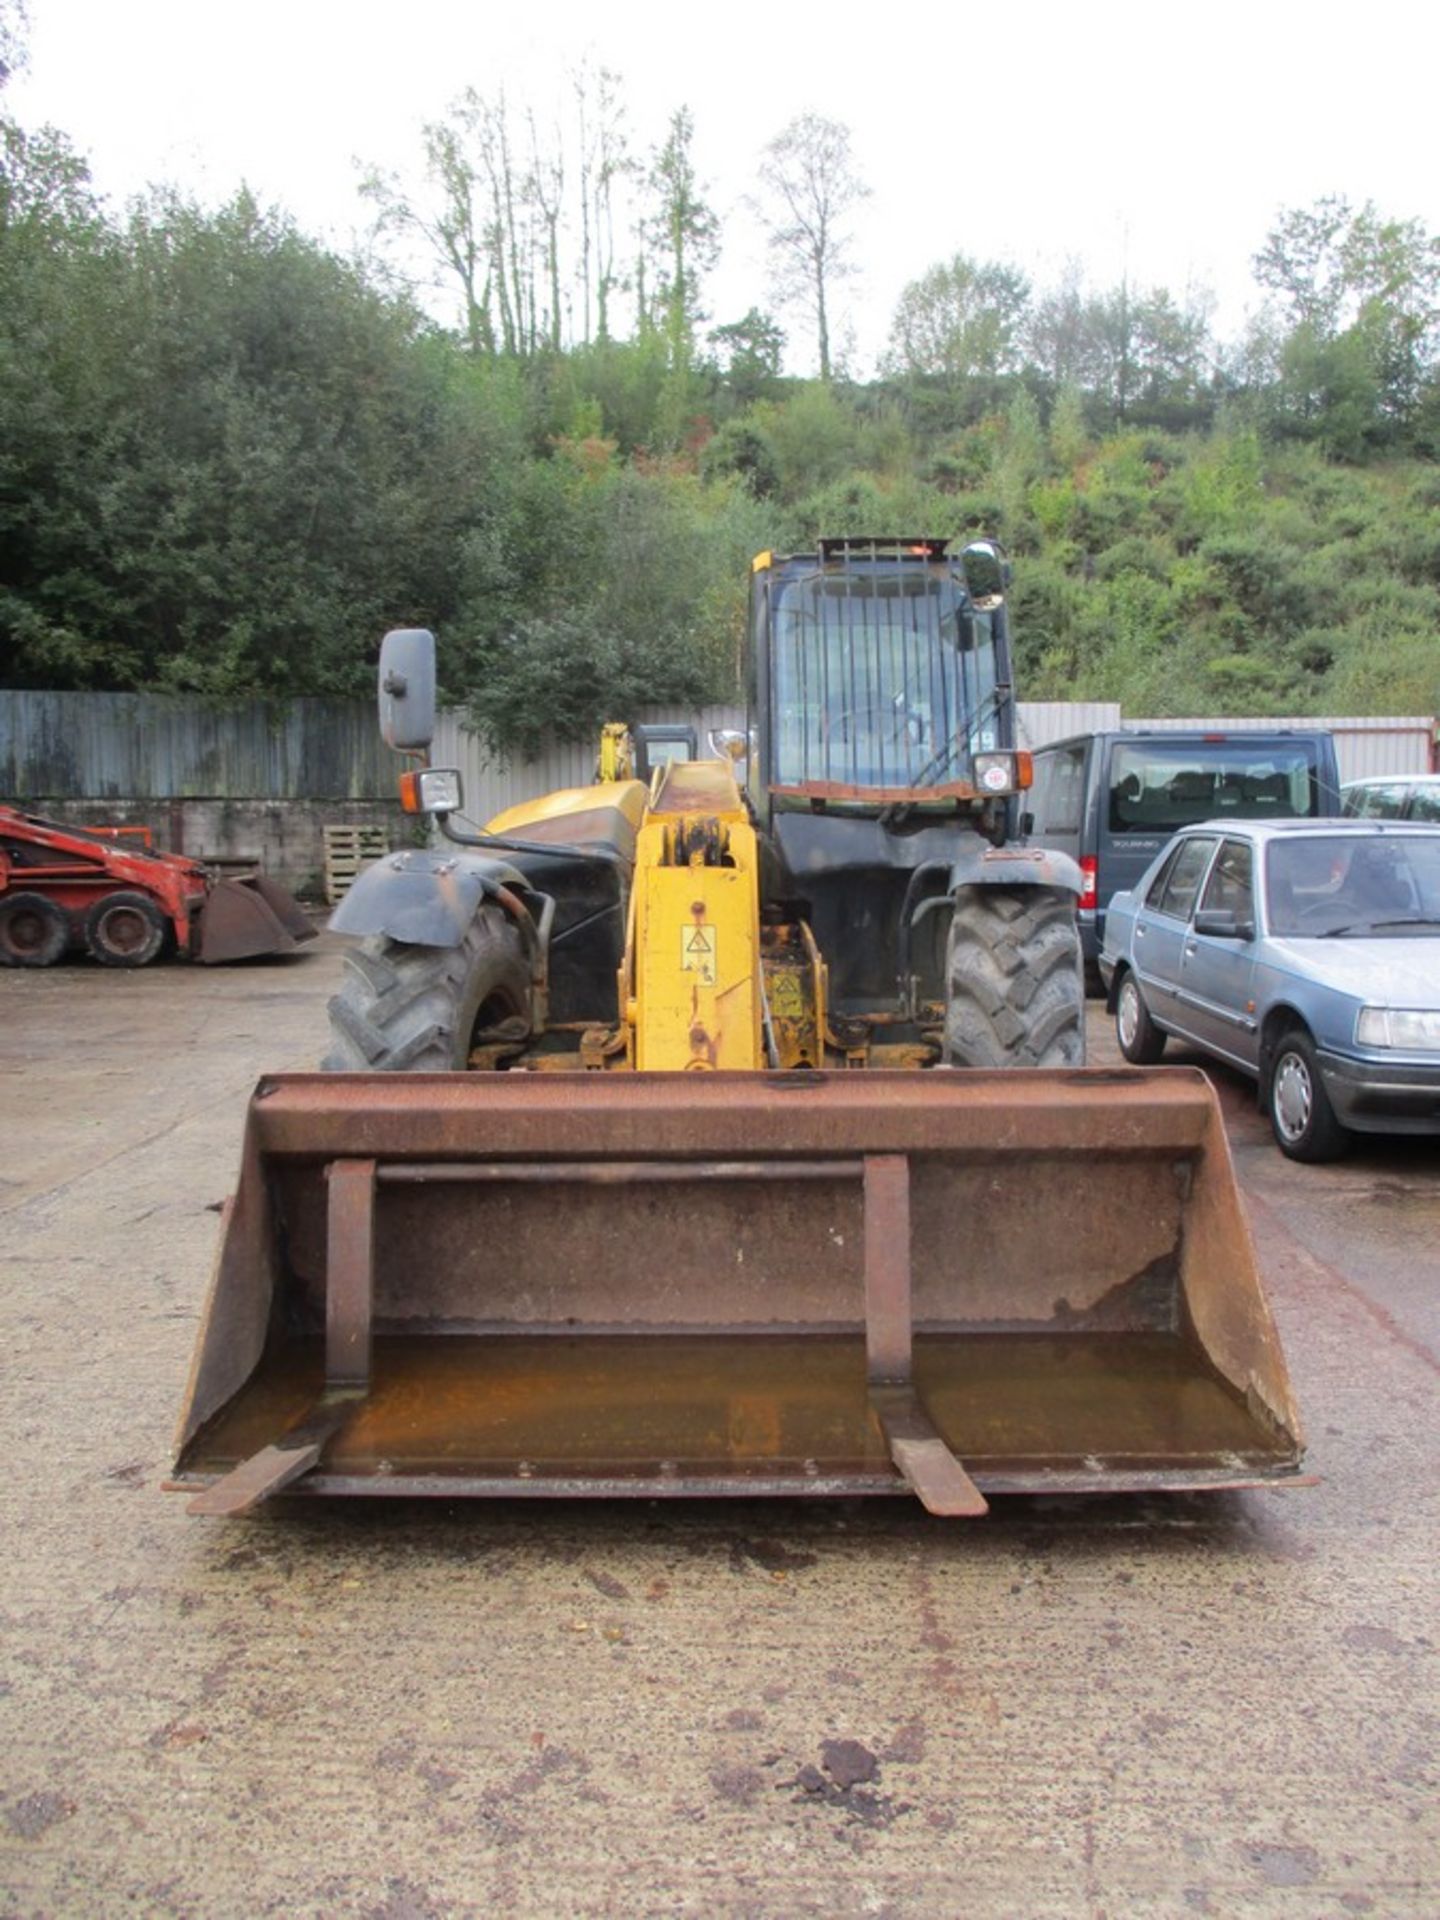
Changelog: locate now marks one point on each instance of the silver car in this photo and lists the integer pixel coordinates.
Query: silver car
(1411, 796)
(1306, 953)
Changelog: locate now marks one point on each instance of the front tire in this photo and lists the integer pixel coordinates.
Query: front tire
(1140, 1040)
(125, 930)
(1014, 979)
(1301, 1116)
(411, 1009)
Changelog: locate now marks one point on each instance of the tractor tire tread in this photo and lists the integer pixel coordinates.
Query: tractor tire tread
(1015, 992)
(100, 941)
(50, 922)
(403, 1008)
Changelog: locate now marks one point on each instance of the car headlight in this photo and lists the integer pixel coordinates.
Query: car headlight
(1410, 1029)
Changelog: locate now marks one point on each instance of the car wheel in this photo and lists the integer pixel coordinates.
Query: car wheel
(1301, 1115)
(1141, 1041)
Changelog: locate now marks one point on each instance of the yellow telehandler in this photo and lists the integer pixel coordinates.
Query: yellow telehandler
(625, 1176)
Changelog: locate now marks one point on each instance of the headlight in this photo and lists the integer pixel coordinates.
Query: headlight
(430, 790)
(1411, 1030)
(1002, 772)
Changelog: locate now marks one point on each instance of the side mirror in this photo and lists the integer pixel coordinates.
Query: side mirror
(1221, 924)
(987, 572)
(407, 688)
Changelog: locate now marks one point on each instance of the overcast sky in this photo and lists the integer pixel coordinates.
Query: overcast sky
(1158, 140)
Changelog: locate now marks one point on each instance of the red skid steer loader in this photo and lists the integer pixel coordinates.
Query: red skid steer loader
(64, 887)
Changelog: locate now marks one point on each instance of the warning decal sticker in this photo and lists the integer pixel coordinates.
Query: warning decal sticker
(697, 953)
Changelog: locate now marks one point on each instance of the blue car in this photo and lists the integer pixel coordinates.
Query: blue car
(1306, 953)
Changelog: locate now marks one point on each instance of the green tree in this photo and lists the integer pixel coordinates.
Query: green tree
(684, 234)
(604, 163)
(1144, 352)
(228, 463)
(960, 320)
(810, 187)
(1068, 433)
(1301, 261)
(1359, 324)
(14, 22)
(450, 220)
(751, 348)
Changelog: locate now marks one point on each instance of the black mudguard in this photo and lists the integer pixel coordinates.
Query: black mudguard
(980, 865)
(427, 898)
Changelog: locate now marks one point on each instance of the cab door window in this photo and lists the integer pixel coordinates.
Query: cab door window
(1231, 887)
(1175, 889)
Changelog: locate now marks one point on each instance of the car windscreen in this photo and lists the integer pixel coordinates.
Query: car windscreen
(1331, 886)
(880, 680)
(1157, 786)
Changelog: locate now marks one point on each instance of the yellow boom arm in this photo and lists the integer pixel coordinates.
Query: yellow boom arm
(691, 989)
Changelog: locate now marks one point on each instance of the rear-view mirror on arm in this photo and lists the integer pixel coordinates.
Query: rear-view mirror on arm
(407, 688)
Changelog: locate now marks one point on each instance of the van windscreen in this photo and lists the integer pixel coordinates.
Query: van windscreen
(1158, 787)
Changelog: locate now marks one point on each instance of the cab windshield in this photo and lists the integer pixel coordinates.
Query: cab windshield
(880, 679)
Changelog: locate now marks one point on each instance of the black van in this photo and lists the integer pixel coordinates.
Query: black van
(1112, 800)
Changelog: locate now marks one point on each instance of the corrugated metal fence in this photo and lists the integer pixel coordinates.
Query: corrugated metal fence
(143, 746)
(147, 747)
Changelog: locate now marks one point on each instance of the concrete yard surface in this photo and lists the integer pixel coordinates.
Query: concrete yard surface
(1168, 1705)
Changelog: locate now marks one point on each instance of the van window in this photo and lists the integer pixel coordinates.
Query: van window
(1426, 804)
(1156, 787)
(1058, 796)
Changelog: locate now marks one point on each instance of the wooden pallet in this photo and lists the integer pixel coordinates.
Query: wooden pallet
(347, 850)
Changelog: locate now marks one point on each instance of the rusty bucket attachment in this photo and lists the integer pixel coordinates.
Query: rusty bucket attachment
(957, 1284)
(249, 916)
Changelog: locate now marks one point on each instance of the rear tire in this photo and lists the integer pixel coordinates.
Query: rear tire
(1301, 1116)
(1014, 979)
(1140, 1040)
(34, 931)
(125, 930)
(409, 1009)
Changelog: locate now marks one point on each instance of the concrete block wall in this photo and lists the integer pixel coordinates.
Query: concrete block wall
(284, 837)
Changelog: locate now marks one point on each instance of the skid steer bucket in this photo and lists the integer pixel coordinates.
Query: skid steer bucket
(250, 916)
(956, 1284)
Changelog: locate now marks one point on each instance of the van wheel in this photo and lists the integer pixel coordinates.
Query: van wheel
(1141, 1041)
(409, 1009)
(1014, 985)
(1301, 1115)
